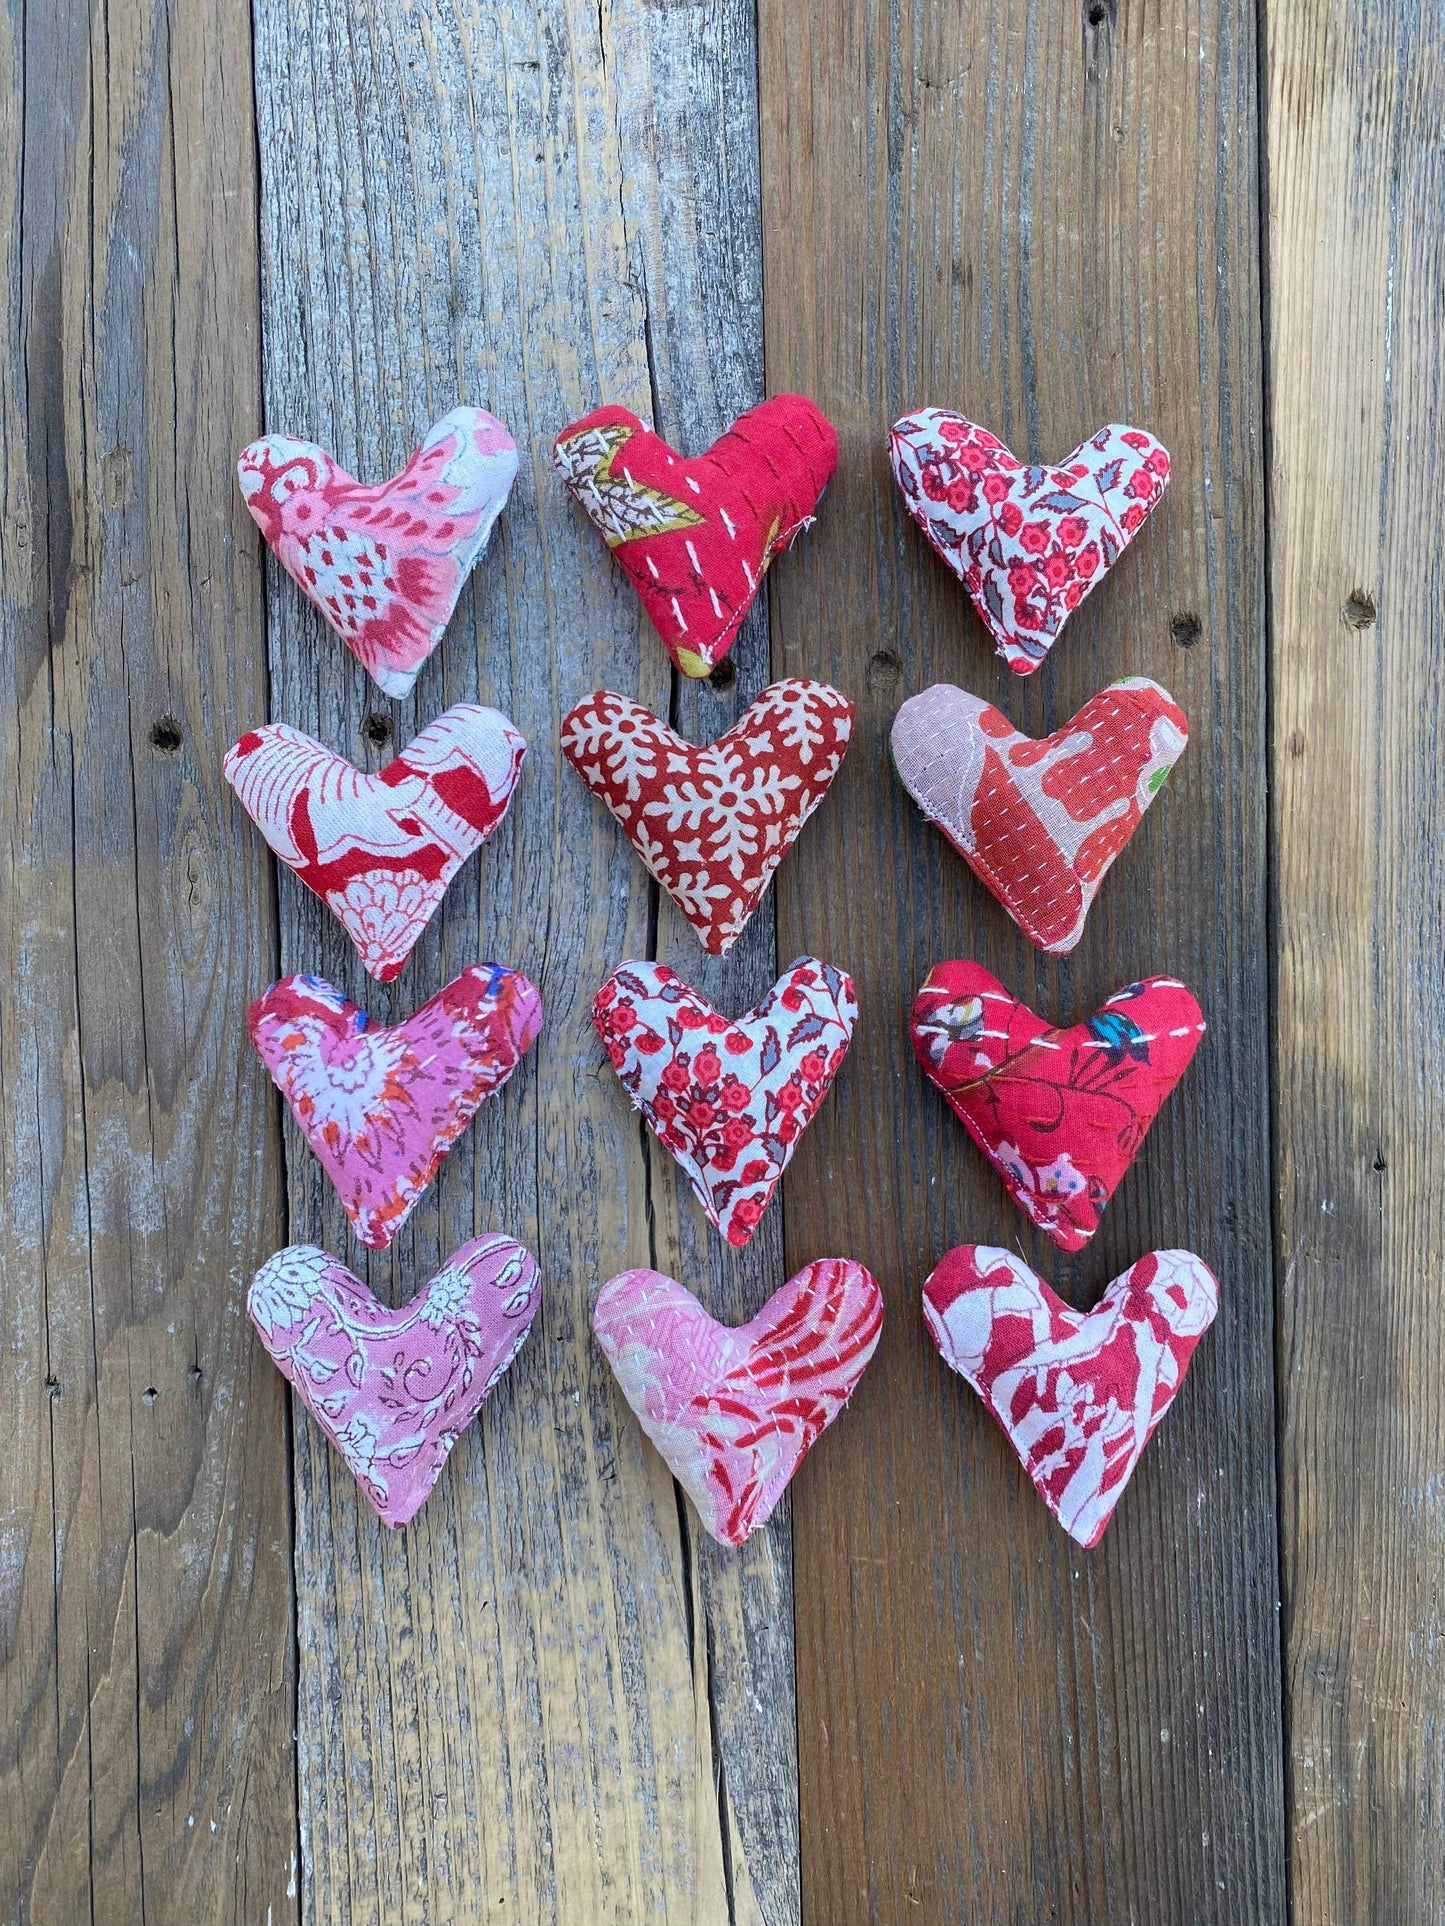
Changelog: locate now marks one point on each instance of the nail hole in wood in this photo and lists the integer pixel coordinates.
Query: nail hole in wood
(149, 1395)
(377, 730)
(885, 668)
(1379, 1163)
(1096, 13)
(723, 676)
(52, 1385)
(166, 735)
(1359, 610)
(195, 1374)
(1185, 630)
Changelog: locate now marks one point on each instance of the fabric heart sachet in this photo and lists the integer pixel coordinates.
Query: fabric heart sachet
(382, 1107)
(713, 823)
(1039, 822)
(1027, 541)
(384, 563)
(380, 850)
(394, 1389)
(695, 535)
(729, 1097)
(1078, 1394)
(1060, 1113)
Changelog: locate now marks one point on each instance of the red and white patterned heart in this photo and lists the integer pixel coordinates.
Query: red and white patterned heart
(734, 1412)
(380, 850)
(1078, 1394)
(713, 823)
(382, 1107)
(394, 1389)
(1039, 822)
(384, 563)
(729, 1097)
(1027, 542)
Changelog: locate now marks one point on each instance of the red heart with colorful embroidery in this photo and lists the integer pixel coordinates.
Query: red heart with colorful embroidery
(695, 536)
(394, 1389)
(712, 824)
(382, 1107)
(734, 1412)
(380, 850)
(729, 1097)
(1027, 542)
(1039, 822)
(1060, 1114)
(1078, 1394)
(384, 564)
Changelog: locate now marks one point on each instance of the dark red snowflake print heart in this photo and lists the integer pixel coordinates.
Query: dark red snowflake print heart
(1028, 542)
(1078, 1394)
(713, 823)
(695, 534)
(728, 1096)
(1059, 1113)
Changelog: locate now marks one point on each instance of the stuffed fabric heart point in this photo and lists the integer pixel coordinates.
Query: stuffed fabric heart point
(394, 1389)
(1060, 1113)
(380, 850)
(1039, 822)
(729, 1097)
(382, 1107)
(1027, 541)
(695, 535)
(386, 563)
(734, 1411)
(1077, 1394)
(713, 823)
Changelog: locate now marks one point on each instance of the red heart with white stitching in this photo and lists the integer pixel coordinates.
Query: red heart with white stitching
(1078, 1393)
(1059, 1113)
(734, 1411)
(695, 535)
(729, 1097)
(384, 563)
(1039, 822)
(1027, 542)
(712, 824)
(380, 850)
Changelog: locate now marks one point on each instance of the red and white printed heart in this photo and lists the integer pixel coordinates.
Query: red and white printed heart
(729, 1097)
(394, 1389)
(384, 563)
(380, 850)
(382, 1107)
(734, 1411)
(1077, 1393)
(1027, 542)
(1039, 822)
(713, 823)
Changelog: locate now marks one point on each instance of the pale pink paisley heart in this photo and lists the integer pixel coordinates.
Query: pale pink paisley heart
(394, 1389)
(380, 850)
(734, 1411)
(382, 1107)
(1078, 1394)
(384, 563)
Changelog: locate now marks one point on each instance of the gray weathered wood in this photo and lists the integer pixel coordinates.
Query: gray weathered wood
(146, 1681)
(522, 1703)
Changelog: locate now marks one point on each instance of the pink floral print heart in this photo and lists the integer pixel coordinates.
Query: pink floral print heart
(1078, 1394)
(1027, 542)
(734, 1412)
(384, 563)
(729, 1097)
(380, 850)
(394, 1389)
(382, 1107)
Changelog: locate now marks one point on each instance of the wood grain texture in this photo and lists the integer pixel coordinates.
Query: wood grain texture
(1048, 225)
(1356, 278)
(546, 1700)
(146, 1676)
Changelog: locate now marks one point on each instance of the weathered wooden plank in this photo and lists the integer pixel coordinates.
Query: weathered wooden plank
(531, 1702)
(1356, 175)
(1049, 224)
(146, 1672)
